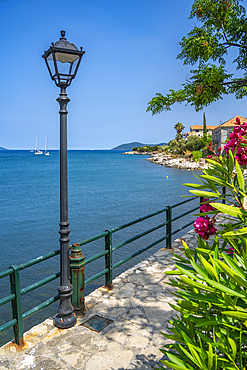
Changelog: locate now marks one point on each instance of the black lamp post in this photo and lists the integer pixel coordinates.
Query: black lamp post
(62, 60)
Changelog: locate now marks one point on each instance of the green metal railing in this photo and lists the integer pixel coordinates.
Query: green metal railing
(77, 272)
(16, 293)
(78, 263)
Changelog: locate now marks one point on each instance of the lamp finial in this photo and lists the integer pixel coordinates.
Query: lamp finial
(62, 33)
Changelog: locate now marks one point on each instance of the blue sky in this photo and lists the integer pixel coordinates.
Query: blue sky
(131, 49)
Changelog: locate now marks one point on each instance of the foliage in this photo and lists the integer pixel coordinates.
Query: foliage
(211, 300)
(211, 329)
(206, 140)
(148, 148)
(197, 155)
(222, 25)
(194, 143)
(179, 127)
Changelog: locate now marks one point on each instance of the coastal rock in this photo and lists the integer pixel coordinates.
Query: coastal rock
(178, 162)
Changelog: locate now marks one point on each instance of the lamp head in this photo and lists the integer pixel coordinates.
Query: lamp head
(62, 60)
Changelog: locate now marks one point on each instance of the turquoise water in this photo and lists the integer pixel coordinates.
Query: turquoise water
(106, 189)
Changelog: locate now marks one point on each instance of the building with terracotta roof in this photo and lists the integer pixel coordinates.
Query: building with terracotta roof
(198, 130)
(221, 132)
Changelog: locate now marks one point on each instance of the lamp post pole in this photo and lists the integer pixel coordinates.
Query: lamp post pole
(65, 317)
(62, 60)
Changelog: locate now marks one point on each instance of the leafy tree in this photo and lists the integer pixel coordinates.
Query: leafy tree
(205, 132)
(179, 128)
(223, 25)
(194, 143)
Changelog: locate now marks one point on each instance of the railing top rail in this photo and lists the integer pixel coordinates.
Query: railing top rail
(185, 201)
(93, 238)
(6, 273)
(137, 220)
(37, 260)
(132, 222)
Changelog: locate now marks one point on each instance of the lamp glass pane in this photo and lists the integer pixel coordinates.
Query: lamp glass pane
(51, 64)
(63, 68)
(74, 65)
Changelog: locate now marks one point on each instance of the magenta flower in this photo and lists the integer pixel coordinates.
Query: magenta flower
(206, 207)
(204, 227)
(238, 137)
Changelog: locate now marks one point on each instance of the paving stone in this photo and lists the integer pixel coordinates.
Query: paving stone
(135, 311)
(137, 341)
(48, 363)
(117, 312)
(109, 360)
(157, 313)
(74, 358)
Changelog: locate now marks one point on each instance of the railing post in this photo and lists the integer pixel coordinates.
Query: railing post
(224, 194)
(77, 278)
(16, 306)
(201, 201)
(169, 227)
(108, 259)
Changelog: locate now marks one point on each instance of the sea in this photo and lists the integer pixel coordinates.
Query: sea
(106, 189)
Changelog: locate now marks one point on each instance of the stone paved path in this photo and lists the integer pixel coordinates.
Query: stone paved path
(139, 307)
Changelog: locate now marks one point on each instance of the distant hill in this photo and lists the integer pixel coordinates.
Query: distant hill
(1, 148)
(129, 146)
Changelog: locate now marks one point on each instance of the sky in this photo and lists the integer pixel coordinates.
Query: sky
(131, 48)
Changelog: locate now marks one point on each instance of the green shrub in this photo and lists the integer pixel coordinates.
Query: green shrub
(211, 298)
(196, 155)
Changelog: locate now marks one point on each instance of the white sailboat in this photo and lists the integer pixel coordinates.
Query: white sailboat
(46, 153)
(37, 151)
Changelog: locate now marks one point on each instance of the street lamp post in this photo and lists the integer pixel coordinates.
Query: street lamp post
(62, 60)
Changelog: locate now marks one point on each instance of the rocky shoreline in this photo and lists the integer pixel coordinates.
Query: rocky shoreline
(169, 161)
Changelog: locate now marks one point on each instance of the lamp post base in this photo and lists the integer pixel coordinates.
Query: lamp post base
(64, 323)
(65, 318)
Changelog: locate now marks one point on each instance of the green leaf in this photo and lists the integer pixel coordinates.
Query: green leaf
(240, 177)
(195, 284)
(185, 270)
(211, 271)
(205, 194)
(176, 360)
(217, 180)
(218, 166)
(234, 266)
(232, 211)
(196, 186)
(235, 314)
(175, 367)
(225, 289)
(205, 338)
(210, 356)
(237, 232)
(195, 355)
(231, 163)
(228, 271)
(233, 347)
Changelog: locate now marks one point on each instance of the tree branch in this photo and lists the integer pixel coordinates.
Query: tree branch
(234, 44)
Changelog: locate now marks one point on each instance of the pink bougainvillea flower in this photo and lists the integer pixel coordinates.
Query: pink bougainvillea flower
(209, 156)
